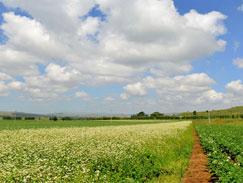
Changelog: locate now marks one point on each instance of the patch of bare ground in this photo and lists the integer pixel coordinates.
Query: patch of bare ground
(197, 172)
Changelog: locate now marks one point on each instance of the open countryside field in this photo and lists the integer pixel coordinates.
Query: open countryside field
(36, 124)
(134, 153)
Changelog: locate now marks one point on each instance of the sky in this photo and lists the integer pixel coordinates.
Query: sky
(120, 56)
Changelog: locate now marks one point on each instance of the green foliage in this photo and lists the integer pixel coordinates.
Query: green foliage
(54, 118)
(224, 147)
(108, 154)
(156, 115)
(29, 118)
(140, 115)
(8, 118)
(67, 118)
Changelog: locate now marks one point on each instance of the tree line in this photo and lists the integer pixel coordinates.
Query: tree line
(139, 116)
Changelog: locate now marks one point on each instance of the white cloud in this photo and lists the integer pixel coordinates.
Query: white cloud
(31, 37)
(139, 37)
(235, 87)
(137, 89)
(83, 95)
(178, 89)
(89, 27)
(200, 79)
(109, 99)
(17, 62)
(4, 76)
(238, 62)
(63, 74)
(171, 68)
(58, 15)
(57, 81)
(129, 42)
(213, 96)
(16, 85)
(124, 96)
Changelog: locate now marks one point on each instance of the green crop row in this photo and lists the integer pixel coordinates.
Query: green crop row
(224, 147)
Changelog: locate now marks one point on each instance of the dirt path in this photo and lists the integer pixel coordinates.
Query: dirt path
(197, 171)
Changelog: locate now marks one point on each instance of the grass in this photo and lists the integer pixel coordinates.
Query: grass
(35, 124)
(135, 153)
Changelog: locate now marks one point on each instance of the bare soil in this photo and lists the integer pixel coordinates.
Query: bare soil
(197, 172)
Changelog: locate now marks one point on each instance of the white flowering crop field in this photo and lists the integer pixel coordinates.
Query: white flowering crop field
(136, 153)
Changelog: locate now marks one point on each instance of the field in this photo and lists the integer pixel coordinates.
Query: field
(36, 124)
(224, 146)
(134, 153)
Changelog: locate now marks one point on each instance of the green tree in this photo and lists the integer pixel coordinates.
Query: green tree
(156, 115)
(55, 118)
(241, 116)
(67, 118)
(141, 114)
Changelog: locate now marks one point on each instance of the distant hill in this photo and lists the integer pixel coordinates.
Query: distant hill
(77, 115)
(3, 113)
(89, 115)
(21, 114)
(231, 111)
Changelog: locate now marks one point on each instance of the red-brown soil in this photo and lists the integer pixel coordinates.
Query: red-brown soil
(197, 172)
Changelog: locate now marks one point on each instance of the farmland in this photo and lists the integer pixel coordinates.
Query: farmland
(36, 124)
(134, 153)
(224, 147)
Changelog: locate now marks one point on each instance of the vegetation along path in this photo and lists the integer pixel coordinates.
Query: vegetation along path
(197, 171)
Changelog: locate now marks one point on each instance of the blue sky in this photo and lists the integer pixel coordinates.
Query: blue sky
(219, 65)
(95, 56)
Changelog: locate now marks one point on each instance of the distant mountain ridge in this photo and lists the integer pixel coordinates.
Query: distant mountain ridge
(24, 114)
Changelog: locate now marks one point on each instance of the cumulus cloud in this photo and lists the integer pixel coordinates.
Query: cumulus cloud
(83, 95)
(140, 37)
(238, 62)
(137, 89)
(235, 87)
(109, 99)
(180, 92)
(124, 96)
(89, 27)
(182, 88)
(212, 96)
(4, 76)
(129, 39)
(56, 81)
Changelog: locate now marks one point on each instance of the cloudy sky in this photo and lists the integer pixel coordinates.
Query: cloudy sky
(120, 55)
